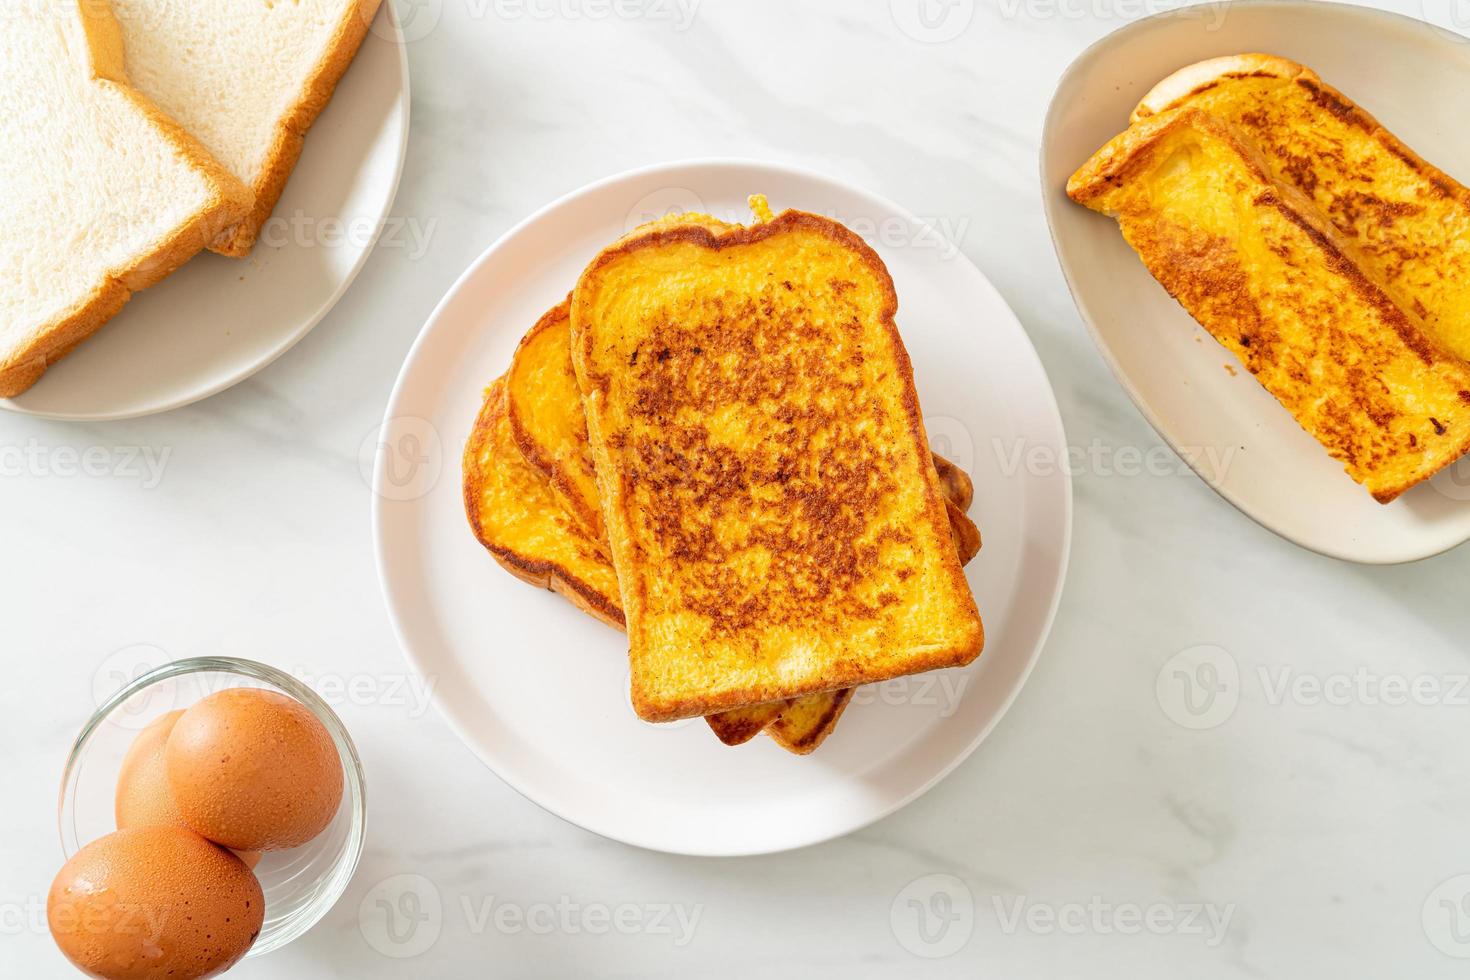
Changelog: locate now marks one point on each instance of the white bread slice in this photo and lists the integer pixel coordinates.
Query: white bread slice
(103, 195)
(247, 78)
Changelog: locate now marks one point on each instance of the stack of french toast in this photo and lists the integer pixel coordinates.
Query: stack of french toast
(1330, 258)
(715, 444)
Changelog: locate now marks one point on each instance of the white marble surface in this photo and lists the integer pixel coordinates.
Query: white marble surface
(1321, 826)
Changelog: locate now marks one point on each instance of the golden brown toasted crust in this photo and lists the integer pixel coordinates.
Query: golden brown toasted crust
(740, 725)
(802, 731)
(834, 575)
(291, 131)
(25, 365)
(494, 473)
(1273, 281)
(963, 531)
(546, 416)
(958, 487)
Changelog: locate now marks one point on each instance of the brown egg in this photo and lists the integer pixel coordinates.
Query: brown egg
(154, 902)
(253, 770)
(143, 797)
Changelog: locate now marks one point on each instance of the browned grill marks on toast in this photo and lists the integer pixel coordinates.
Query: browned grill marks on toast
(1402, 224)
(830, 495)
(1207, 275)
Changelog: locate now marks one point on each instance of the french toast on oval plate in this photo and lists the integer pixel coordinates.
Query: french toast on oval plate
(1287, 223)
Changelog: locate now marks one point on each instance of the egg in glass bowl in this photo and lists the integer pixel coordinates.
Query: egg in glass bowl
(113, 778)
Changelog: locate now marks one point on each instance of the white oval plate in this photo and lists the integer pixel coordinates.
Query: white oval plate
(1240, 441)
(539, 690)
(218, 320)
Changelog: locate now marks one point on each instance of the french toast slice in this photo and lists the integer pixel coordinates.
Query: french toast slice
(521, 523)
(1257, 264)
(1408, 220)
(546, 417)
(806, 724)
(955, 483)
(515, 516)
(772, 508)
(739, 725)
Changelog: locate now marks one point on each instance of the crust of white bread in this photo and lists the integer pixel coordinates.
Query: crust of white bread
(291, 130)
(294, 124)
(23, 365)
(187, 57)
(1204, 74)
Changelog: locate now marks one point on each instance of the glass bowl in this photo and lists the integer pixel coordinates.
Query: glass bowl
(300, 884)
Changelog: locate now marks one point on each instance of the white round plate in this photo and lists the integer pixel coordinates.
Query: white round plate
(539, 690)
(218, 320)
(1240, 441)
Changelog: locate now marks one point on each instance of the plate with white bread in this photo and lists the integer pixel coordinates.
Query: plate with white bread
(696, 507)
(1288, 302)
(192, 187)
